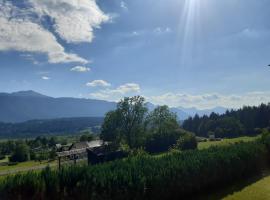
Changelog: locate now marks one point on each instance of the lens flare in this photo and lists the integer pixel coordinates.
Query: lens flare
(189, 31)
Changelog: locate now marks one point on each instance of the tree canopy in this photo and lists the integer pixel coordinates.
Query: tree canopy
(126, 123)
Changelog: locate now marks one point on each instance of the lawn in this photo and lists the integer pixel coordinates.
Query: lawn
(31, 165)
(4, 160)
(259, 190)
(204, 145)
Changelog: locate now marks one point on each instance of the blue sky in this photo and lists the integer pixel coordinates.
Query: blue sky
(177, 52)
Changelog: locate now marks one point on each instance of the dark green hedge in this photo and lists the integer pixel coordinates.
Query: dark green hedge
(171, 176)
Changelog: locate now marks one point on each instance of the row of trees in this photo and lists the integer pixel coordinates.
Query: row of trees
(9, 146)
(40, 148)
(132, 125)
(245, 121)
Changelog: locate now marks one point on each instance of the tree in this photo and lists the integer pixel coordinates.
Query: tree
(21, 152)
(86, 137)
(52, 141)
(161, 121)
(110, 130)
(126, 123)
(161, 126)
(2, 156)
(52, 154)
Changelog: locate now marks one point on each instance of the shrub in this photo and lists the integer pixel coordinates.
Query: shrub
(266, 138)
(2, 157)
(186, 142)
(21, 153)
(162, 142)
(33, 155)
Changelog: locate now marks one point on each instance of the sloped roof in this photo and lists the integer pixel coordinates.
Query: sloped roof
(84, 145)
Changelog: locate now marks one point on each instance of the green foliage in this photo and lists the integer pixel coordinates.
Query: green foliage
(234, 123)
(175, 175)
(266, 138)
(126, 123)
(33, 155)
(161, 121)
(187, 141)
(129, 124)
(162, 130)
(52, 154)
(161, 142)
(21, 152)
(58, 126)
(7, 147)
(87, 137)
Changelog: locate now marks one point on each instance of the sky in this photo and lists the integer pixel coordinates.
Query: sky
(188, 53)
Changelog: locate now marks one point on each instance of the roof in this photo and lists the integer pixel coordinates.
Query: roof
(85, 145)
(80, 147)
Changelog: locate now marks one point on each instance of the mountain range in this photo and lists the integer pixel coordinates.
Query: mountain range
(29, 105)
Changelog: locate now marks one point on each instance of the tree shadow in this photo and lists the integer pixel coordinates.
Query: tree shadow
(218, 194)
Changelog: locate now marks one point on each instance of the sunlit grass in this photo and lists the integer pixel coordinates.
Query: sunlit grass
(259, 190)
(204, 145)
(25, 165)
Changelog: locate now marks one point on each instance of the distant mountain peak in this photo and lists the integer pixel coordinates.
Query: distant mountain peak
(28, 93)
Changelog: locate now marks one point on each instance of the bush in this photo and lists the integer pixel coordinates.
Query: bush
(156, 143)
(171, 176)
(2, 157)
(266, 138)
(21, 153)
(186, 142)
(33, 155)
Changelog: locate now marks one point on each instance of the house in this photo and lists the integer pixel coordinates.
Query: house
(102, 154)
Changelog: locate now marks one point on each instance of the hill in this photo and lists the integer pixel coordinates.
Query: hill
(59, 126)
(28, 105)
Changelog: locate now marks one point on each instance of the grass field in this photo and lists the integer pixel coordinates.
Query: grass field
(259, 190)
(23, 165)
(204, 145)
(4, 160)
(254, 188)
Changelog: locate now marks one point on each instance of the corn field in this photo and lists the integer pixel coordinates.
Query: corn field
(174, 175)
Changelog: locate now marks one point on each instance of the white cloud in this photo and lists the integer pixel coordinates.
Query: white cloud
(80, 69)
(123, 5)
(74, 21)
(23, 35)
(128, 89)
(210, 100)
(162, 30)
(45, 78)
(98, 83)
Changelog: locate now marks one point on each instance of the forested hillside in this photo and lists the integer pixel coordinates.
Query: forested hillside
(54, 126)
(245, 121)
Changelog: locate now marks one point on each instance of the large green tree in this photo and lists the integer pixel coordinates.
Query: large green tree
(161, 121)
(126, 123)
(162, 129)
